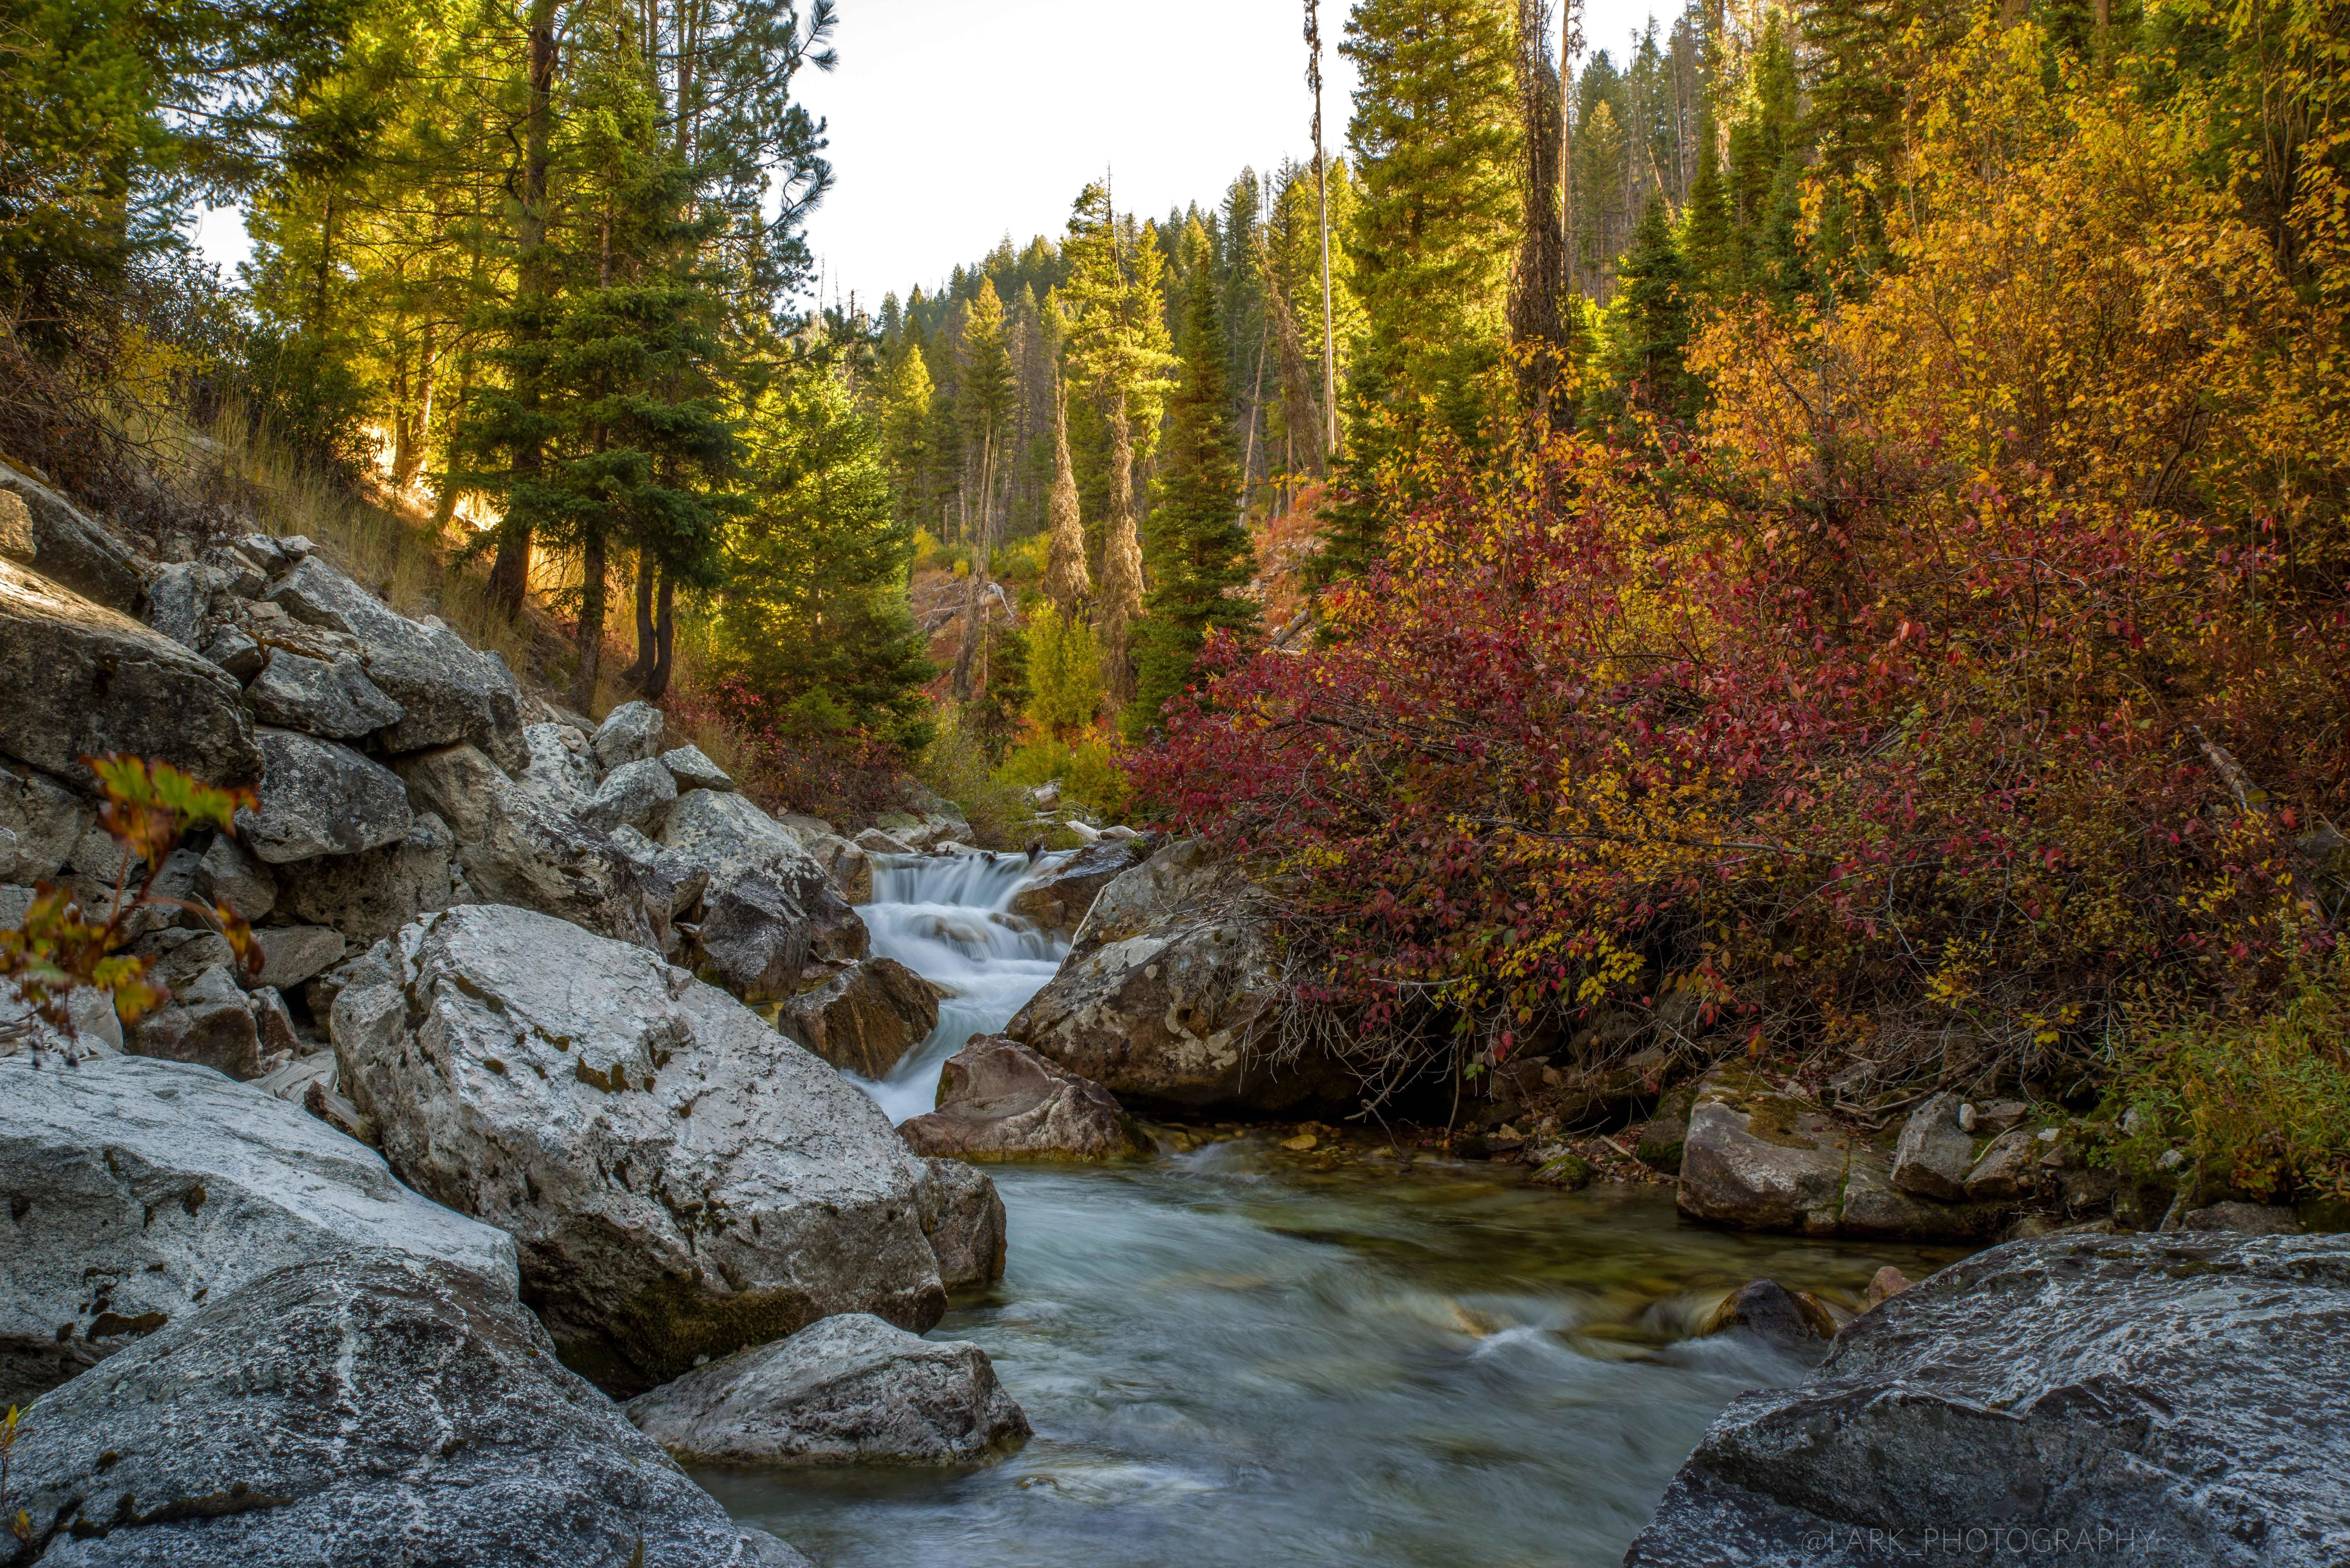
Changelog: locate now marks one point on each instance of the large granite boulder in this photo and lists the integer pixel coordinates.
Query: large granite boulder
(638, 794)
(517, 847)
(138, 1190)
(319, 798)
(864, 1019)
(62, 543)
(45, 820)
(1170, 994)
(561, 766)
(334, 700)
(963, 1214)
(999, 1100)
(1760, 1161)
(768, 921)
(375, 1411)
(1060, 892)
(682, 1179)
(447, 692)
(82, 680)
(630, 732)
(2172, 1400)
(850, 1390)
(370, 895)
(209, 1022)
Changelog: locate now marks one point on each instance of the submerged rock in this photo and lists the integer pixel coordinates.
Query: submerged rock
(1795, 1322)
(682, 1179)
(138, 1190)
(2176, 1401)
(999, 1100)
(850, 1390)
(375, 1411)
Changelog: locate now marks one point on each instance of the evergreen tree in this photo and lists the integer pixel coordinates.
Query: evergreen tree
(1067, 581)
(1198, 547)
(1653, 297)
(985, 395)
(1710, 237)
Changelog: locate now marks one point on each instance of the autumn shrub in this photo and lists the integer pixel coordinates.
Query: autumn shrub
(1086, 764)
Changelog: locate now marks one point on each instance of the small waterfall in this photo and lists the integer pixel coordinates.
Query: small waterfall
(945, 917)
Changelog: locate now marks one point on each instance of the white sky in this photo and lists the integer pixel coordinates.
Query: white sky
(953, 122)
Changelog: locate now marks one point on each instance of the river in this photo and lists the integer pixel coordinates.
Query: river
(1240, 1355)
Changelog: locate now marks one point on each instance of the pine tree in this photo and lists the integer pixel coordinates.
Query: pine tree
(1653, 295)
(1709, 239)
(986, 396)
(1067, 581)
(1198, 547)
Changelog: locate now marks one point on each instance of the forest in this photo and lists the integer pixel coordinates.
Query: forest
(1820, 528)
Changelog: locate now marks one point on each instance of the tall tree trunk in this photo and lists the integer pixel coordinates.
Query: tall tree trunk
(647, 569)
(665, 639)
(1121, 564)
(1570, 44)
(1322, 199)
(510, 573)
(1067, 581)
(974, 599)
(589, 641)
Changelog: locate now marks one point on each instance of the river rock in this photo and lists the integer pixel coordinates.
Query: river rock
(848, 1389)
(1876, 1209)
(137, 1189)
(335, 700)
(691, 769)
(766, 911)
(637, 794)
(631, 733)
(210, 1026)
(44, 818)
(373, 1411)
(65, 545)
(447, 692)
(999, 1100)
(1170, 994)
(1057, 896)
(682, 1180)
(1760, 1161)
(83, 681)
(849, 868)
(369, 896)
(2176, 1401)
(1795, 1322)
(319, 798)
(864, 1019)
(1935, 1153)
(2245, 1219)
(2007, 1168)
(963, 1214)
(873, 841)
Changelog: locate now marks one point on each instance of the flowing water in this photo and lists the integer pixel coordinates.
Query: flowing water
(1239, 1356)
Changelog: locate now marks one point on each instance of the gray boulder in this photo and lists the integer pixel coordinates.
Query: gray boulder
(225, 874)
(848, 1389)
(336, 701)
(2245, 1219)
(999, 1100)
(2176, 1401)
(765, 912)
(211, 1025)
(849, 868)
(873, 841)
(561, 766)
(1876, 1210)
(637, 794)
(370, 895)
(85, 681)
(1058, 894)
(864, 1019)
(1170, 994)
(1758, 1160)
(631, 733)
(963, 1214)
(374, 1411)
(319, 798)
(180, 603)
(138, 1190)
(292, 954)
(447, 692)
(2007, 1168)
(1935, 1153)
(682, 1179)
(67, 547)
(691, 769)
(44, 818)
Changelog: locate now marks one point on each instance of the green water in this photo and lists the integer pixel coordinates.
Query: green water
(1233, 1356)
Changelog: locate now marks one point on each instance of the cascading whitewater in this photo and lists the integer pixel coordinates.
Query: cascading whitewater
(945, 917)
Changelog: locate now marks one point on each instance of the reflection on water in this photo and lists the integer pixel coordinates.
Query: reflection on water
(1232, 1358)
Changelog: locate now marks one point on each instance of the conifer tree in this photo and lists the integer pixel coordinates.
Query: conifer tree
(1067, 581)
(985, 394)
(1654, 283)
(1198, 547)
(1709, 240)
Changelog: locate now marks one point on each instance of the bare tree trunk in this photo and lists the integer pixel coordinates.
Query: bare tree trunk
(648, 568)
(1322, 199)
(665, 639)
(1067, 581)
(974, 598)
(589, 641)
(510, 573)
(1121, 565)
(1570, 46)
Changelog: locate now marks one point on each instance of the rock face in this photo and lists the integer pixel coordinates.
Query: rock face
(138, 1190)
(1169, 994)
(44, 820)
(1057, 896)
(999, 1100)
(56, 539)
(376, 1411)
(1759, 1161)
(335, 700)
(865, 1017)
(2177, 1401)
(682, 1180)
(963, 1214)
(319, 798)
(84, 680)
(850, 1390)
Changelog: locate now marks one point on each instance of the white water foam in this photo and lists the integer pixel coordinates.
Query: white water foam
(946, 917)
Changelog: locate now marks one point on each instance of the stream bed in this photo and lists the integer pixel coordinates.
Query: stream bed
(1241, 1355)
